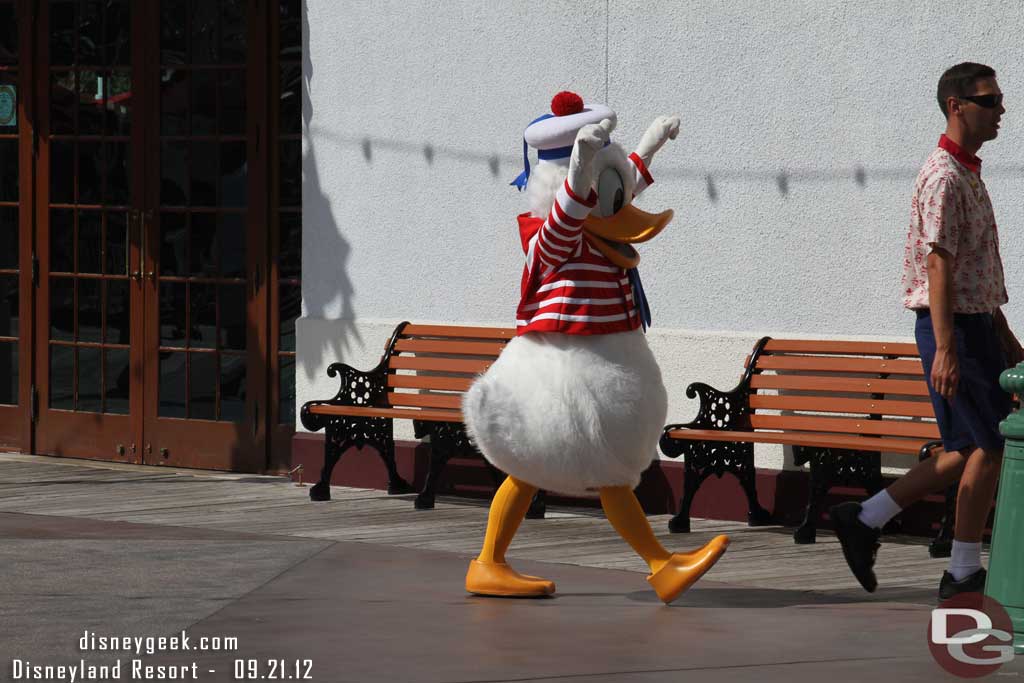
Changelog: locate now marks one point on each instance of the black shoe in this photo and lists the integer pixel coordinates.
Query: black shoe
(859, 541)
(972, 583)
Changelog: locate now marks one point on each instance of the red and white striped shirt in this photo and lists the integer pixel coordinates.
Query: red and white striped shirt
(568, 285)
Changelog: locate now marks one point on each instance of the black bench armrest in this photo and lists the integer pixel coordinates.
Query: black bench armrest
(724, 410)
(718, 409)
(357, 387)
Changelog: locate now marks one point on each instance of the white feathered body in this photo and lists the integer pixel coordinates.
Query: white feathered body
(569, 413)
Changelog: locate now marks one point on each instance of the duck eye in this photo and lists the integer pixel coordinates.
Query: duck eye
(609, 192)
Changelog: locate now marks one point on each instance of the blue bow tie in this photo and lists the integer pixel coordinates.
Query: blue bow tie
(639, 298)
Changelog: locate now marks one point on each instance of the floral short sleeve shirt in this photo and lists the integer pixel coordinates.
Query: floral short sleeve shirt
(951, 210)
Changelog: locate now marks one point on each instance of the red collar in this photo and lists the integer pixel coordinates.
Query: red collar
(970, 161)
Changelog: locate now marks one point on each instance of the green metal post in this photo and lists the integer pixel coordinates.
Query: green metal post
(1005, 581)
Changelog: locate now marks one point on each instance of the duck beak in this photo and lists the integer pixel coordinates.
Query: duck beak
(613, 235)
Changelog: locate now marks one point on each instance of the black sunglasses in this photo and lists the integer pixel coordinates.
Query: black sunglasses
(988, 101)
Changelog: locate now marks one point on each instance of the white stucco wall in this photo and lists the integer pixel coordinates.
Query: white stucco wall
(803, 126)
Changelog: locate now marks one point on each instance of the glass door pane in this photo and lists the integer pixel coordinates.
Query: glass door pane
(200, 328)
(10, 290)
(202, 211)
(89, 226)
(91, 101)
(13, 295)
(152, 320)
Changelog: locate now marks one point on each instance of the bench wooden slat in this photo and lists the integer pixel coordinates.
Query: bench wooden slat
(429, 382)
(857, 348)
(888, 445)
(459, 332)
(840, 384)
(833, 364)
(462, 348)
(903, 428)
(431, 400)
(403, 413)
(829, 404)
(465, 366)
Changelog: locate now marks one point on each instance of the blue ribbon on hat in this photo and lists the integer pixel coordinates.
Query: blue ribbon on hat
(639, 298)
(520, 181)
(543, 154)
(556, 153)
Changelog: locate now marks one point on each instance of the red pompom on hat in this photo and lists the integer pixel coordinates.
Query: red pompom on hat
(566, 103)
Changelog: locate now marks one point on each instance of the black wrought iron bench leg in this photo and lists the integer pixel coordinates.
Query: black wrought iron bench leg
(396, 484)
(820, 482)
(538, 506)
(756, 515)
(332, 453)
(942, 544)
(439, 457)
(807, 532)
(692, 479)
(834, 467)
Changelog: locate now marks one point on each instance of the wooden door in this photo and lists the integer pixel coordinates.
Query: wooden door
(16, 162)
(89, 202)
(205, 255)
(152, 231)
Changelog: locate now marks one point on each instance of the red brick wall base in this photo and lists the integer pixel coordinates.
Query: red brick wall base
(784, 493)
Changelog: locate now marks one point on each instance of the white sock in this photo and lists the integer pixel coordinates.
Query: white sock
(966, 559)
(877, 510)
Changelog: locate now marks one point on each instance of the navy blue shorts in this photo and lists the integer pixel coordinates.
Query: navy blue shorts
(980, 404)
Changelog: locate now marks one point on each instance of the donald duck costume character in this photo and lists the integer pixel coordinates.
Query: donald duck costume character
(575, 403)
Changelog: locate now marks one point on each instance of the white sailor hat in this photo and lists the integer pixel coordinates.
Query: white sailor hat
(553, 134)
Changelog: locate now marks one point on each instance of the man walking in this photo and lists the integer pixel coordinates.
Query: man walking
(953, 281)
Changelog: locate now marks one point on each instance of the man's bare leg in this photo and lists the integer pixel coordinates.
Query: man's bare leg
(974, 499)
(857, 525)
(928, 476)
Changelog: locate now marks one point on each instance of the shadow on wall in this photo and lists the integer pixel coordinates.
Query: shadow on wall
(718, 183)
(329, 240)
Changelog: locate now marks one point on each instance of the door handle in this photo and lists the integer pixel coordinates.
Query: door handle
(128, 242)
(134, 219)
(142, 219)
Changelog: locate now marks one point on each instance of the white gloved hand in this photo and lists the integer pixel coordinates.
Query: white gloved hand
(663, 129)
(589, 141)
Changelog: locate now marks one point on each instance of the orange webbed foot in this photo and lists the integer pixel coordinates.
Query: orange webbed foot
(684, 569)
(499, 579)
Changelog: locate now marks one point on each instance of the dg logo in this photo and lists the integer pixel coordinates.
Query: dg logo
(970, 635)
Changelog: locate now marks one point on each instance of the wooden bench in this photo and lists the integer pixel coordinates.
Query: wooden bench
(422, 376)
(838, 404)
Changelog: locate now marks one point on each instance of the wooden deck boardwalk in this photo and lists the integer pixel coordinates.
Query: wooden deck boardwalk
(761, 557)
